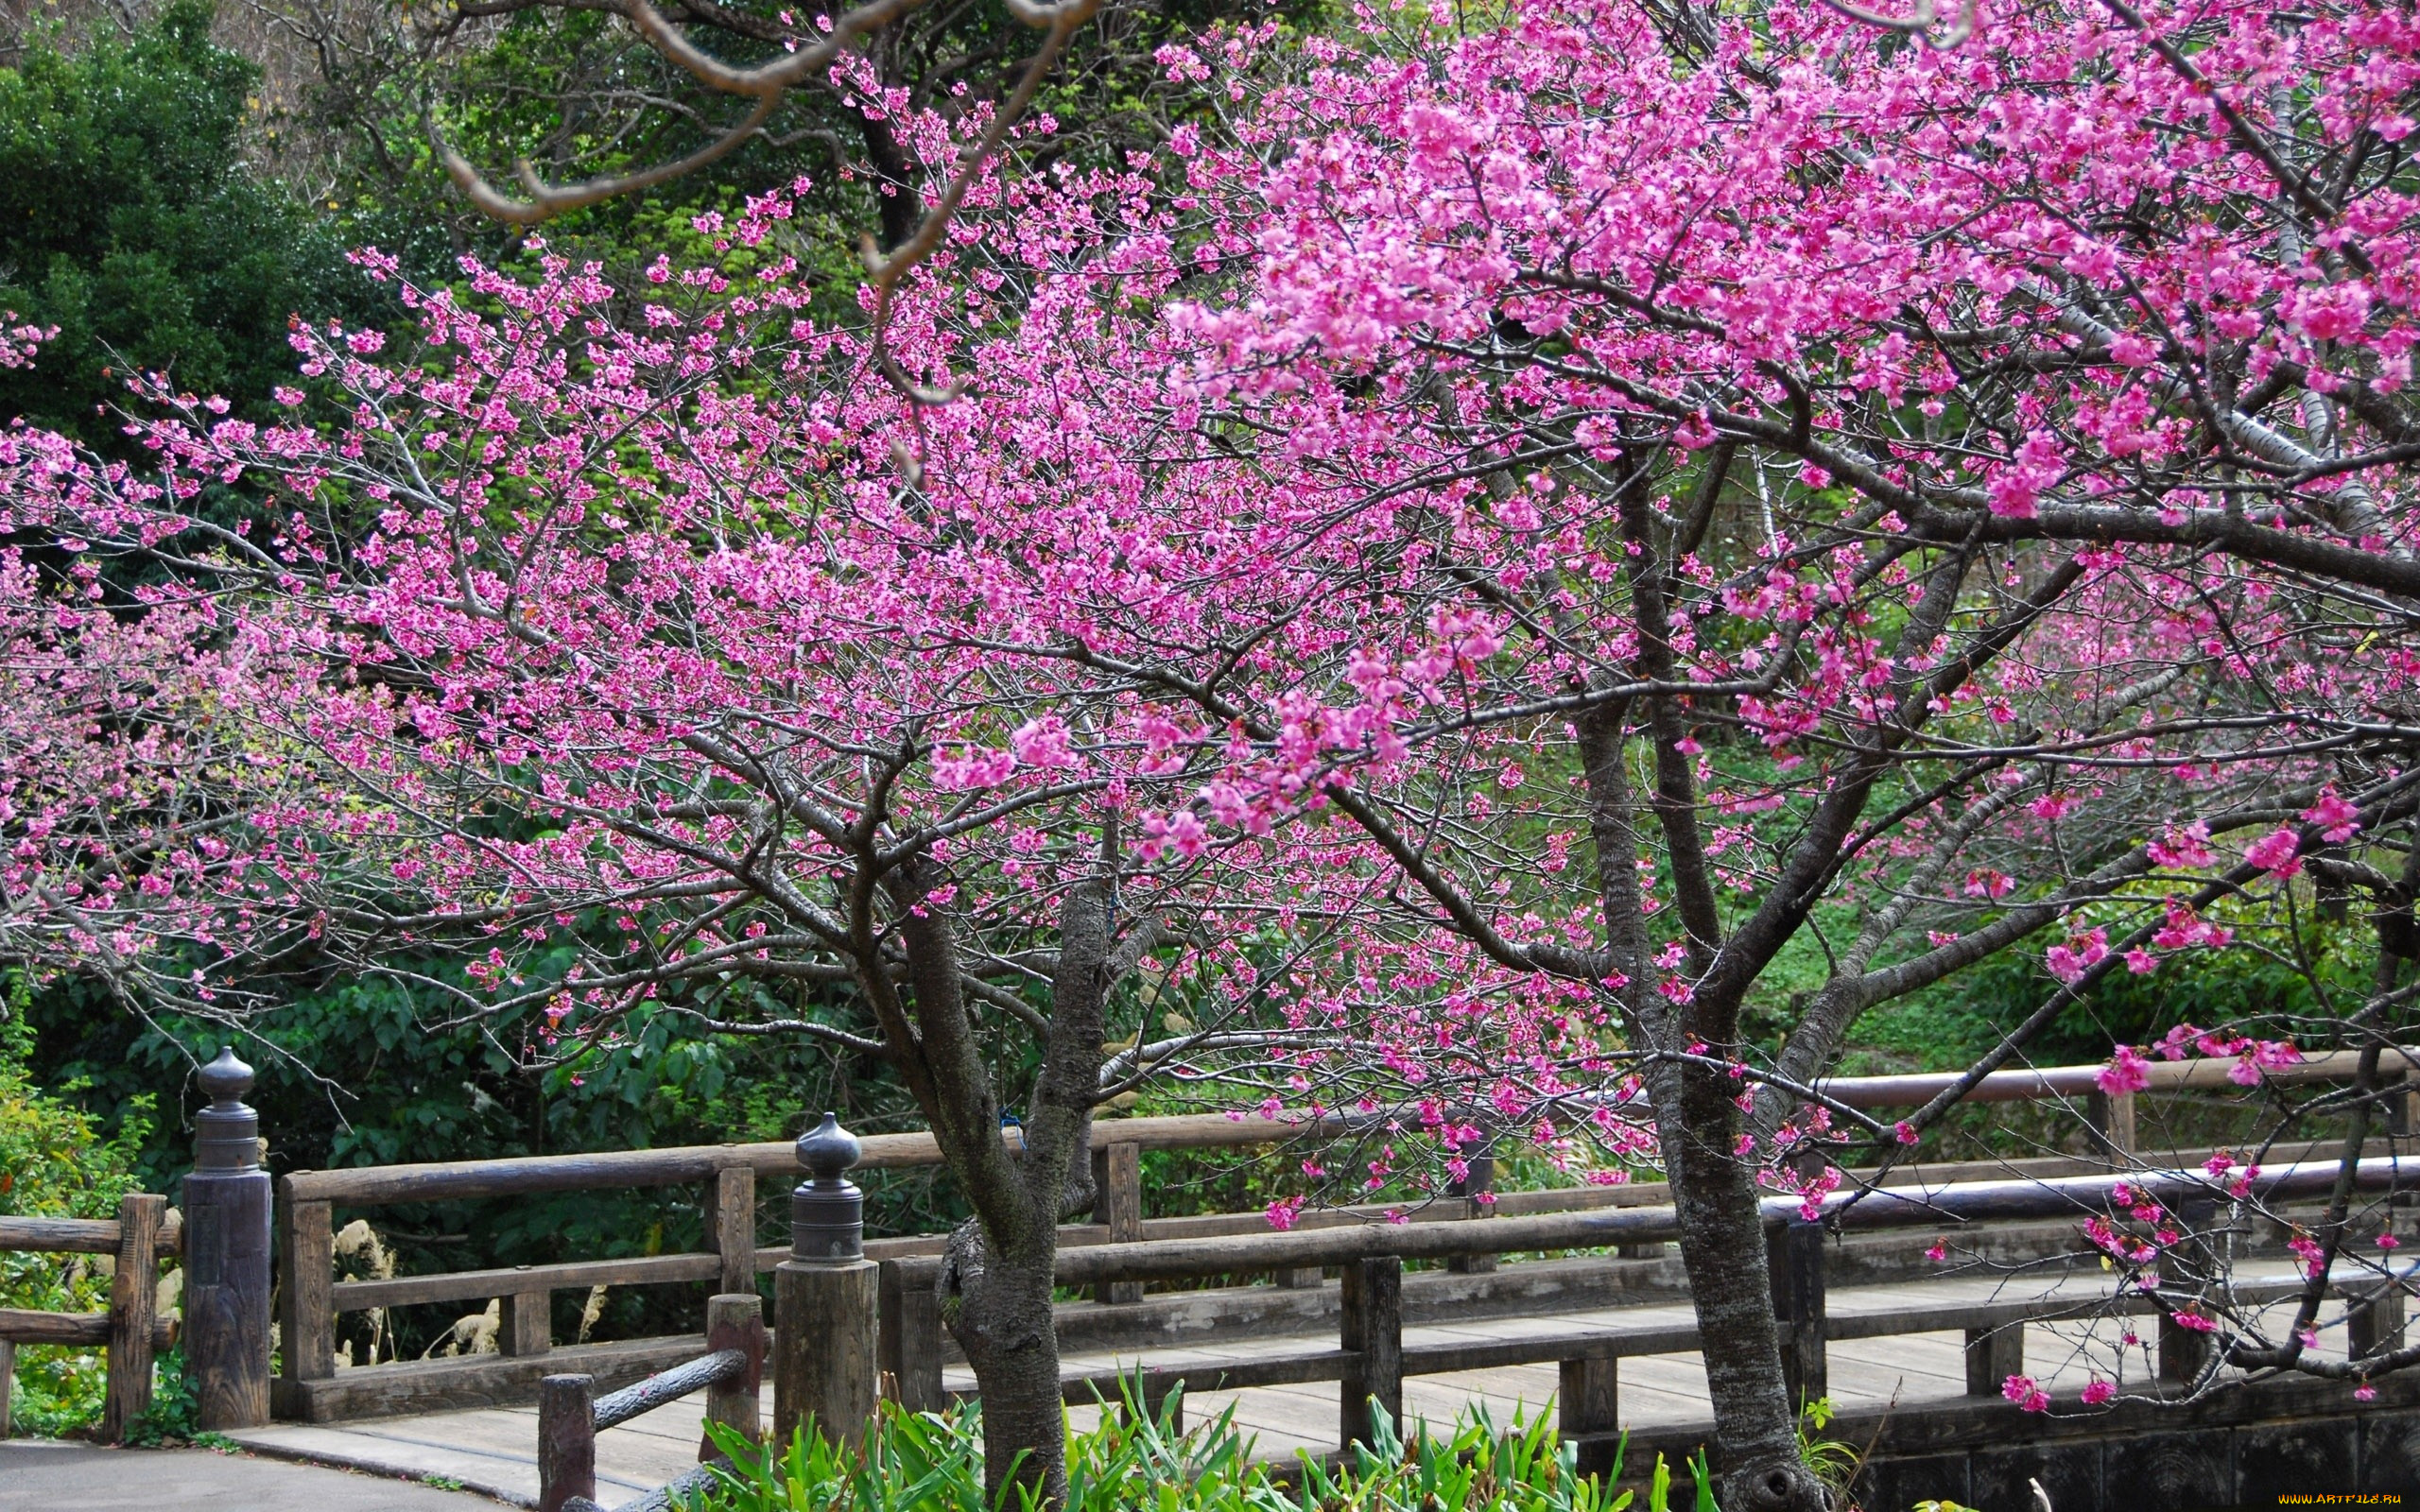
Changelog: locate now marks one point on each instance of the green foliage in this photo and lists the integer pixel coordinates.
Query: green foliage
(57, 1162)
(1834, 1463)
(128, 222)
(1137, 1461)
(175, 1401)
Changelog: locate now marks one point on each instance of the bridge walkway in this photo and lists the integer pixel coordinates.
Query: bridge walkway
(494, 1450)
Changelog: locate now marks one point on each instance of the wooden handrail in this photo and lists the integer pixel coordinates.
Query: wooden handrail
(79, 1236)
(313, 1297)
(448, 1180)
(1884, 1208)
(569, 1418)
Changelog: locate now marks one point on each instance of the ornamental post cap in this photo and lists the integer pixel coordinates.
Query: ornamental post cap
(827, 1149)
(226, 1078)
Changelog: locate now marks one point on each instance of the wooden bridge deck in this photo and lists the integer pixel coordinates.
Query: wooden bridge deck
(494, 1450)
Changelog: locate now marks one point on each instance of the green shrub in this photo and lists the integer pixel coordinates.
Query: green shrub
(1139, 1462)
(55, 1163)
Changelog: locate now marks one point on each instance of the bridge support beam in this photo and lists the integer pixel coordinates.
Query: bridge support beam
(2112, 1119)
(1373, 1330)
(2374, 1325)
(1478, 1180)
(735, 1320)
(2184, 1351)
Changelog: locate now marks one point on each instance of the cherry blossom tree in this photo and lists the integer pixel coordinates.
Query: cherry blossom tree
(643, 642)
(1775, 494)
(1537, 533)
(136, 811)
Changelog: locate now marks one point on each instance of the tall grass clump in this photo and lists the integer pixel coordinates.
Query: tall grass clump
(1139, 1461)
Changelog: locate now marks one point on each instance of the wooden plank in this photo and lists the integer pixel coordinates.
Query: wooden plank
(306, 1273)
(1446, 1359)
(1289, 1367)
(7, 1382)
(579, 1275)
(135, 1302)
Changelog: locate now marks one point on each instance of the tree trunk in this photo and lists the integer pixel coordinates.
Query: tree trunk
(1723, 1250)
(999, 1312)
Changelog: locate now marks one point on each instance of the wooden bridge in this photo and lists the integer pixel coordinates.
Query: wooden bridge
(1586, 1316)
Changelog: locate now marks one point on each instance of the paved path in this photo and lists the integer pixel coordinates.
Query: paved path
(38, 1475)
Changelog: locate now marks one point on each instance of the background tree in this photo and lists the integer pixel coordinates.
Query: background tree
(130, 223)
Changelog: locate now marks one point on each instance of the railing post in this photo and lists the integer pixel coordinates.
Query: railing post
(910, 1340)
(1117, 1201)
(306, 1258)
(2184, 1351)
(731, 1227)
(2374, 1324)
(1794, 1256)
(734, 1321)
(1373, 1330)
(1588, 1409)
(1478, 1180)
(566, 1441)
(1992, 1355)
(134, 1300)
(226, 1242)
(525, 1324)
(2112, 1118)
(7, 1382)
(824, 1298)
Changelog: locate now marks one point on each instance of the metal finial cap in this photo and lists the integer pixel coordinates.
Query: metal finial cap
(827, 1212)
(227, 1133)
(226, 1079)
(827, 1149)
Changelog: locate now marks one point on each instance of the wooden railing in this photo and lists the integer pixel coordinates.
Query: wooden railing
(1370, 1359)
(570, 1416)
(132, 1331)
(311, 1388)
